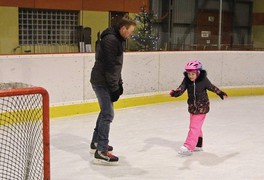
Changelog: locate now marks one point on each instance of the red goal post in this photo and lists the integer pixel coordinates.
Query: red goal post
(24, 132)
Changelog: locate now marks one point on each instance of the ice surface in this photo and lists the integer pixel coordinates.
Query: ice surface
(147, 139)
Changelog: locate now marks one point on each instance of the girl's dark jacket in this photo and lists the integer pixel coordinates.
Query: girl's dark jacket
(108, 60)
(198, 101)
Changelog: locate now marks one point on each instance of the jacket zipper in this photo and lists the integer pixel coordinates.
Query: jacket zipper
(194, 95)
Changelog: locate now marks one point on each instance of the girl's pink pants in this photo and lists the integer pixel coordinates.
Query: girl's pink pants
(195, 130)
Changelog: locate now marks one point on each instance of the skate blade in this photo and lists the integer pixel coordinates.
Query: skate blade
(105, 163)
(184, 154)
(198, 150)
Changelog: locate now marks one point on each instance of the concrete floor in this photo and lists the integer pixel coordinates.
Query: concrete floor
(147, 139)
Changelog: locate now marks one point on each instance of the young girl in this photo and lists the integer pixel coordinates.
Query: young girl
(196, 82)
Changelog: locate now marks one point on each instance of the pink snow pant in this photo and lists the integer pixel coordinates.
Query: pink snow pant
(195, 130)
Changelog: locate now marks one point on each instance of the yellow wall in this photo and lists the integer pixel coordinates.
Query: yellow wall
(258, 6)
(8, 29)
(258, 36)
(98, 21)
(258, 30)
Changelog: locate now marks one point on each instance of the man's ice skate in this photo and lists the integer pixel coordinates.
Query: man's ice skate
(184, 151)
(105, 158)
(93, 147)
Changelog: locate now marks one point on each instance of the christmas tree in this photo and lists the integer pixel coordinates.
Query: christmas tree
(144, 38)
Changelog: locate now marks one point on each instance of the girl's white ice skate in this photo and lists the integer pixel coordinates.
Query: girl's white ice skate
(184, 151)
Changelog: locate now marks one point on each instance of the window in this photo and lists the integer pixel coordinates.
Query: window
(40, 26)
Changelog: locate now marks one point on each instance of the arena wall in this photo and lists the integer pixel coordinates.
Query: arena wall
(147, 76)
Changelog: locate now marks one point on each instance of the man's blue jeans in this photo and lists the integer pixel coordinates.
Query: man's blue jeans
(105, 117)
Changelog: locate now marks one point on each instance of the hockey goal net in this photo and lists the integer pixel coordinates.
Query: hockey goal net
(24, 132)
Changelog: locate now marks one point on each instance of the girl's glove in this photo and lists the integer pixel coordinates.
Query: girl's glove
(172, 93)
(222, 95)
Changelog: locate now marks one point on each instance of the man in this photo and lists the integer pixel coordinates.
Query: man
(107, 83)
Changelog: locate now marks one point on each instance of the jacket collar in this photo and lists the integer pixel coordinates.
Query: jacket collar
(201, 76)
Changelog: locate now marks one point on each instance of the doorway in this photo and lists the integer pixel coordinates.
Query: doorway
(208, 30)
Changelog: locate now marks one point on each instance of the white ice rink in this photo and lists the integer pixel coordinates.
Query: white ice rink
(147, 139)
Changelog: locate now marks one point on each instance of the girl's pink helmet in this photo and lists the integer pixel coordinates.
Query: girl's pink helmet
(194, 65)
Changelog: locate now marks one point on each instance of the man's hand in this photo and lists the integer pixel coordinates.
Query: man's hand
(115, 95)
(121, 89)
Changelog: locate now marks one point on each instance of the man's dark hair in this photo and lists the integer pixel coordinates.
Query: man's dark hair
(127, 22)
